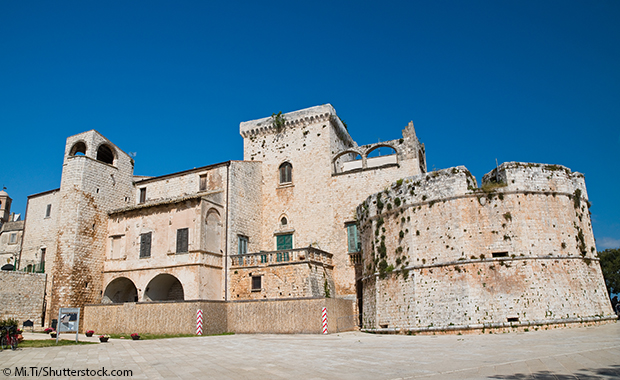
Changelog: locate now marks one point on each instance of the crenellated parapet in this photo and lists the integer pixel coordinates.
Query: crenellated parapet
(297, 119)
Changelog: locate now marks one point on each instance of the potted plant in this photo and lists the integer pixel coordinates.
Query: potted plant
(52, 332)
(20, 337)
(104, 338)
(135, 336)
(89, 333)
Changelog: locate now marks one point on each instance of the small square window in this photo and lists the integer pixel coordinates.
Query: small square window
(256, 283)
(13, 238)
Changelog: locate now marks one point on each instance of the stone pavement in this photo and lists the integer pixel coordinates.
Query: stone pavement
(570, 353)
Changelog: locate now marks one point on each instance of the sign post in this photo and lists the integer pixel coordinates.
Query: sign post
(68, 321)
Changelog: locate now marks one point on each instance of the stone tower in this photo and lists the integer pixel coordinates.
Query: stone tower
(5, 207)
(96, 178)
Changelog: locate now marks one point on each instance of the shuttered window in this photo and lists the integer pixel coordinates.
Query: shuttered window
(182, 238)
(145, 245)
(284, 242)
(286, 173)
(353, 238)
(203, 182)
(243, 245)
(143, 195)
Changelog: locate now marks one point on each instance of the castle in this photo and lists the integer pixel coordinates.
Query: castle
(310, 214)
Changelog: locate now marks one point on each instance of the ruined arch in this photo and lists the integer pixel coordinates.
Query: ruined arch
(78, 149)
(120, 290)
(347, 160)
(377, 147)
(213, 231)
(164, 287)
(105, 154)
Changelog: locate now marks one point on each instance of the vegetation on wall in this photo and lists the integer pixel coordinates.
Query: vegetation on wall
(278, 121)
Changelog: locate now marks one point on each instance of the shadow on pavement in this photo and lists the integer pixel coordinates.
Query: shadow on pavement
(611, 372)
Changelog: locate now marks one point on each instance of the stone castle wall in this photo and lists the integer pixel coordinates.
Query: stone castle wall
(21, 296)
(439, 252)
(292, 316)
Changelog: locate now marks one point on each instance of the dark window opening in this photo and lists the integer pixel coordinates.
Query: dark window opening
(143, 195)
(182, 240)
(105, 154)
(145, 245)
(256, 283)
(78, 149)
(203, 182)
(48, 211)
(513, 319)
(500, 254)
(284, 221)
(286, 173)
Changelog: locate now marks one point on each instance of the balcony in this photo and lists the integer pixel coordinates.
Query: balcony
(283, 257)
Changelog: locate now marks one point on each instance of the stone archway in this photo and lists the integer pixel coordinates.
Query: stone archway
(164, 287)
(120, 290)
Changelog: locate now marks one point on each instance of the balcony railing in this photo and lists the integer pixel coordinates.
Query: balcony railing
(287, 256)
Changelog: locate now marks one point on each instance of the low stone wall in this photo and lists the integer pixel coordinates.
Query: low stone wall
(166, 317)
(21, 296)
(262, 316)
(289, 316)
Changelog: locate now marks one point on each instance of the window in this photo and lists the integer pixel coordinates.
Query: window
(145, 245)
(182, 240)
(263, 259)
(203, 182)
(500, 254)
(105, 154)
(243, 245)
(284, 242)
(353, 238)
(13, 238)
(284, 221)
(256, 283)
(286, 173)
(143, 195)
(48, 211)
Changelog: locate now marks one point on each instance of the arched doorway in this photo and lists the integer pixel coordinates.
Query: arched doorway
(120, 290)
(164, 287)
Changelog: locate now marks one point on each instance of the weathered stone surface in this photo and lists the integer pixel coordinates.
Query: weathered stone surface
(21, 296)
(440, 253)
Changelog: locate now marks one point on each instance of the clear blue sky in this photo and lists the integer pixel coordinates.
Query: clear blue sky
(534, 81)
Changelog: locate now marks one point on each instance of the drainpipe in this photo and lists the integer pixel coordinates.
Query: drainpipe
(226, 234)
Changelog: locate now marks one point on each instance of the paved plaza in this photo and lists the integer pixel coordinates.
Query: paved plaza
(571, 353)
